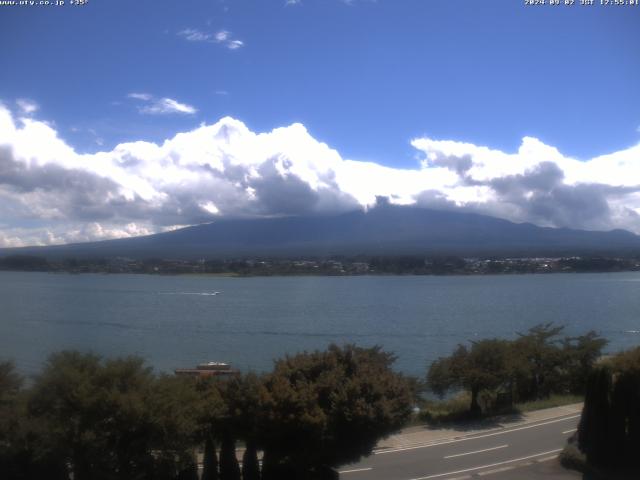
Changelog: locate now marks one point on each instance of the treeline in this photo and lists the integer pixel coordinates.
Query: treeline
(337, 265)
(533, 366)
(85, 417)
(609, 430)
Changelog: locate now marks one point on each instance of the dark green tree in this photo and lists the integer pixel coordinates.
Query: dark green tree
(243, 408)
(113, 418)
(539, 360)
(210, 460)
(250, 465)
(212, 409)
(324, 409)
(609, 429)
(579, 354)
(67, 402)
(484, 366)
(229, 467)
(189, 470)
(593, 430)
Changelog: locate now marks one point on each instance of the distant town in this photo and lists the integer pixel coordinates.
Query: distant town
(339, 266)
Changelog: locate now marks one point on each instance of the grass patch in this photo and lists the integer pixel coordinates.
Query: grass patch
(438, 412)
(456, 408)
(574, 459)
(552, 401)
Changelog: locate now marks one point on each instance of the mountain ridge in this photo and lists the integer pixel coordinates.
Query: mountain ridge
(383, 230)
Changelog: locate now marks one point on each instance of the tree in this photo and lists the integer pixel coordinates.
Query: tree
(483, 367)
(593, 429)
(175, 407)
(10, 390)
(324, 409)
(113, 418)
(579, 356)
(229, 467)
(545, 363)
(66, 401)
(211, 409)
(210, 460)
(609, 429)
(250, 465)
(242, 399)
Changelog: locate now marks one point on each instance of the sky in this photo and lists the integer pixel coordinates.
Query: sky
(121, 118)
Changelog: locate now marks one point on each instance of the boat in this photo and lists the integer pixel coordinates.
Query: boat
(219, 366)
(207, 369)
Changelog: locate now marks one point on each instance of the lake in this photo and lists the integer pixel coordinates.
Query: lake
(178, 321)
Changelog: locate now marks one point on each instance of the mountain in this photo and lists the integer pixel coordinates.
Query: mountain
(384, 230)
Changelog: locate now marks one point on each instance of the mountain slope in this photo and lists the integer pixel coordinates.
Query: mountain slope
(384, 230)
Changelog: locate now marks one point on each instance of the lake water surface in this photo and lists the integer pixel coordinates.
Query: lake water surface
(178, 321)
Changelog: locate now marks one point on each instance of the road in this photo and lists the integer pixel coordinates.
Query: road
(491, 452)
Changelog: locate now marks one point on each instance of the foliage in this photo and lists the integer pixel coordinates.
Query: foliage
(114, 418)
(92, 418)
(580, 355)
(482, 367)
(609, 430)
(553, 400)
(532, 367)
(447, 410)
(331, 407)
(538, 361)
(210, 460)
(250, 465)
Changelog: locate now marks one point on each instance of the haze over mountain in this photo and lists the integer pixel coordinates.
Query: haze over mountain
(383, 230)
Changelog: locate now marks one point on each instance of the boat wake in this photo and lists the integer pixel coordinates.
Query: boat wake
(203, 294)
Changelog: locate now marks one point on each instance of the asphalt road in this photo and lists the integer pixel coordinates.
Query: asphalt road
(488, 453)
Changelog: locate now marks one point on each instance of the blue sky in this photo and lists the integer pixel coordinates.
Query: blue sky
(365, 77)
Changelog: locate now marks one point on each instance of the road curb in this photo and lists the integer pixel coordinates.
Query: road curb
(569, 410)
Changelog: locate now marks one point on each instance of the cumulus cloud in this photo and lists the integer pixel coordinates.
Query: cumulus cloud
(540, 185)
(161, 106)
(50, 193)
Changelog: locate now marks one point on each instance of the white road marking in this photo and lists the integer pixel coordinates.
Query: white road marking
(465, 439)
(496, 470)
(570, 431)
(546, 459)
(477, 451)
(487, 466)
(355, 470)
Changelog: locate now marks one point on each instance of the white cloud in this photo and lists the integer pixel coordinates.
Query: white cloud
(26, 106)
(225, 169)
(222, 37)
(161, 106)
(193, 35)
(164, 106)
(140, 96)
(234, 44)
